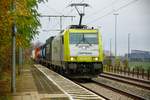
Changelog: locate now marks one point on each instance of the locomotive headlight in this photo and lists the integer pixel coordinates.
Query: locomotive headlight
(83, 47)
(71, 58)
(96, 58)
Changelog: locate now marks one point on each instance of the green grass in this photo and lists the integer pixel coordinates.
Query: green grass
(144, 65)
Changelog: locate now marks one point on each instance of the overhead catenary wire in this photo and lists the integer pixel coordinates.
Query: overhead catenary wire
(53, 9)
(59, 14)
(82, 1)
(106, 7)
(69, 11)
(67, 6)
(62, 11)
(70, 1)
(113, 10)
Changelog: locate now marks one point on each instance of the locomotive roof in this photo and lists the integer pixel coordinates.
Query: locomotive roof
(78, 27)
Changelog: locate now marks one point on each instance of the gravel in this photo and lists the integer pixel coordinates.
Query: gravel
(144, 93)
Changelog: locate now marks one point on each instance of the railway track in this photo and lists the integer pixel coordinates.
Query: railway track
(132, 81)
(132, 91)
(108, 92)
(127, 88)
(122, 92)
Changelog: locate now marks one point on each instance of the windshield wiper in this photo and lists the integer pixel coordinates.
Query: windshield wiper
(83, 39)
(80, 41)
(87, 41)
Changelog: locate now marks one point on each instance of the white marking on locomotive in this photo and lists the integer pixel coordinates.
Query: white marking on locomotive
(84, 50)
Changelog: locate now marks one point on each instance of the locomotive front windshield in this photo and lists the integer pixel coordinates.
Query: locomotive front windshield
(83, 38)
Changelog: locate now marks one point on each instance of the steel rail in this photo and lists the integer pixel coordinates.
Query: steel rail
(92, 90)
(128, 80)
(135, 97)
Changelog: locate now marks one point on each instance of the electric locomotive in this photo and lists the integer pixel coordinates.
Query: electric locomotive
(76, 52)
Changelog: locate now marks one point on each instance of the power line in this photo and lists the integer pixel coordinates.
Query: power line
(56, 24)
(120, 8)
(59, 13)
(57, 16)
(101, 17)
(81, 13)
(51, 30)
(49, 16)
(53, 9)
(127, 5)
(70, 1)
(82, 1)
(112, 3)
(67, 6)
(70, 11)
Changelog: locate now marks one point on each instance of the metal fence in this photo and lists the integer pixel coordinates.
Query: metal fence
(139, 73)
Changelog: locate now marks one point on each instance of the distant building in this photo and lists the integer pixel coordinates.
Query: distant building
(139, 55)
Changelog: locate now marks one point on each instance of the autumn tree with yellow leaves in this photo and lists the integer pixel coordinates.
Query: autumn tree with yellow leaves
(27, 23)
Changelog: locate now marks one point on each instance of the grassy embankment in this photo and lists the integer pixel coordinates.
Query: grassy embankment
(144, 65)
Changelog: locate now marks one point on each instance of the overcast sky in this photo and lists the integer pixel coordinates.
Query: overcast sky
(133, 18)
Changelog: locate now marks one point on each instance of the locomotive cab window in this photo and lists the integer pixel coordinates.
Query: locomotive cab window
(83, 38)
